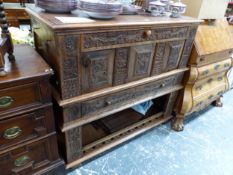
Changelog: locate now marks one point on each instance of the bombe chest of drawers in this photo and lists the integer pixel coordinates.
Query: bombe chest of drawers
(209, 63)
(103, 68)
(28, 143)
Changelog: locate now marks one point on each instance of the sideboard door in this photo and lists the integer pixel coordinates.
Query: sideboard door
(140, 61)
(97, 69)
(167, 56)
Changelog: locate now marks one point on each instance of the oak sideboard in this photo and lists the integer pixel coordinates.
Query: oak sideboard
(103, 68)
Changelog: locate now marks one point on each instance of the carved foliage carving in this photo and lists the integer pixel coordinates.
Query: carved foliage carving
(70, 86)
(122, 37)
(159, 59)
(74, 143)
(97, 70)
(188, 47)
(72, 112)
(122, 98)
(142, 61)
(175, 48)
(121, 66)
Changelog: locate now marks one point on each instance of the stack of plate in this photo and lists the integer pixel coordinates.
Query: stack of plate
(101, 9)
(57, 6)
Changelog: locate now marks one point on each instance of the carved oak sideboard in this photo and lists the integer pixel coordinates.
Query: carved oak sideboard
(209, 63)
(103, 68)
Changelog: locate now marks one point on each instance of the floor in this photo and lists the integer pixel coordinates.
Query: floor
(205, 147)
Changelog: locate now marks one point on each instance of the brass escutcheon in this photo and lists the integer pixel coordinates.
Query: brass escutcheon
(12, 133)
(6, 101)
(21, 161)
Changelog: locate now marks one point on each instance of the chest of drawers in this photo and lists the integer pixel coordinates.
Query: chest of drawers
(28, 143)
(102, 68)
(209, 62)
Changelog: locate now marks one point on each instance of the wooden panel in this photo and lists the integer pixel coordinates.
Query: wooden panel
(140, 60)
(167, 56)
(29, 158)
(97, 69)
(211, 39)
(26, 127)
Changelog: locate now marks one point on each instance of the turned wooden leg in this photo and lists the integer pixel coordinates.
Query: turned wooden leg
(177, 123)
(218, 102)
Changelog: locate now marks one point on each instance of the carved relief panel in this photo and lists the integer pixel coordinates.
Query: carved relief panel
(140, 60)
(167, 56)
(97, 68)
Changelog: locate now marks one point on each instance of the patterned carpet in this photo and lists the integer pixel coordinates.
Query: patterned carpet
(205, 147)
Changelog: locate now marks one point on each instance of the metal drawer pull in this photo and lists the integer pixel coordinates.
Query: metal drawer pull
(108, 102)
(216, 66)
(6, 101)
(148, 33)
(162, 85)
(12, 133)
(21, 161)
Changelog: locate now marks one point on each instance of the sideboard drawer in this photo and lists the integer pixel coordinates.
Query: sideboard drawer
(26, 127)
(125, 97)
(29, 158)
(22, 97)
(101, 40)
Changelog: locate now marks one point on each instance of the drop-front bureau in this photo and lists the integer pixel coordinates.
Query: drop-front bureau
(209, 63)
(103, 68)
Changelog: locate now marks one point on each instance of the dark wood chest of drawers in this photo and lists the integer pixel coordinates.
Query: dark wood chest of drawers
(28, 143)
(103, 68)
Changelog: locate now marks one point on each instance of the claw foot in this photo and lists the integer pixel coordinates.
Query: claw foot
(177, 124)
(218, 103)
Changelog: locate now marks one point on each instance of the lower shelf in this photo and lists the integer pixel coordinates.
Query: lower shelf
(119, 137)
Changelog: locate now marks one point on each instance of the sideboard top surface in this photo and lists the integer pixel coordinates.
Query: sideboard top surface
(121, 20)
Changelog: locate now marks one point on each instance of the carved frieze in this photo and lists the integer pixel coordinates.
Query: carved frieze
(95, 40)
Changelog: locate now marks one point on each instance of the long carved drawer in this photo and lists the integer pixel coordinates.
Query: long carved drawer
(214, 68)
(207, 84)
(26, 127)
(21, 97)
(30, 158)
(129, 96)
(100, 40)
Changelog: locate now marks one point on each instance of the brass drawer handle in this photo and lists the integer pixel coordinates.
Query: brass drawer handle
(6, 101)
(205, 72)
(12, 133)
(220, 78)
(216, 67)
(21, 161)
(211, 96)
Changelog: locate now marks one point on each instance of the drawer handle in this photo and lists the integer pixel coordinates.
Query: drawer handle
(210, 80)
(108, 103)
(162, 85)
(220, 78)
(6, 101)
(12, 133)
(216, 66)
(226, 65)
(202, 59)
(148, 33)
(21, 161)
(211, 96)
(205, 72)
